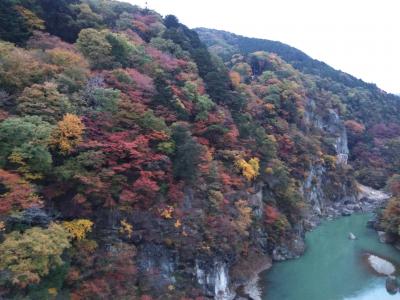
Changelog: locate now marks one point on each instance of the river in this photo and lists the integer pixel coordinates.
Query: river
(332, 267)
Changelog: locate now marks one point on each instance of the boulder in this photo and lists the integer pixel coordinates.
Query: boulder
(392, 285)
(346, 212)
(384, 237)
(380, 265)
(352, 236)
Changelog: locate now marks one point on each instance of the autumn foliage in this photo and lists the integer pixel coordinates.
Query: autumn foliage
(16, 193)
(129, 153)
(250, 169)
(68, 133)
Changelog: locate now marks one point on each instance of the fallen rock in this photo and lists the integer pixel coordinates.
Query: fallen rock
(381, 236)
(352, 236)
(384, 237)
(278, 254)
(346, 212)
(371, 195)
(293, 248)
(380, 265)
(392, 285)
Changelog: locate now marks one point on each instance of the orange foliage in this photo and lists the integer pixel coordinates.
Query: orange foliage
(235, 78)
(271, 214)
(167, 212)
(65, 58)
(19, 193)
(207, 158)
(270, 107)
(355, 127)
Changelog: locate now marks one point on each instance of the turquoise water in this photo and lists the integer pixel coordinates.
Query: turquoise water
(332, 267)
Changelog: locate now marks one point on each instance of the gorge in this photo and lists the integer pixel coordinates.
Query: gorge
(141, 159)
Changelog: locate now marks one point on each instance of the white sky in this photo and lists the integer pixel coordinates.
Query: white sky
(360, 37)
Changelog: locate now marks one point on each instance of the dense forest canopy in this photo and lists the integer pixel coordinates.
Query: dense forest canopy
(363, 105)
(121, 130)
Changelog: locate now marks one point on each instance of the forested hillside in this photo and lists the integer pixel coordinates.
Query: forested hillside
(136, 164)
(372, 115)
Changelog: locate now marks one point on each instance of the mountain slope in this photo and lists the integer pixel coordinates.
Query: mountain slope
(372, 152)
(135, 164)
(225, 44)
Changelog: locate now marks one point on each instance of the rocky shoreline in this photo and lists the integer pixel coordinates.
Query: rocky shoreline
(241, 280)
(367, 200)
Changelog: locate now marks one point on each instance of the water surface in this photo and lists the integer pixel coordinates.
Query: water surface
(332, 267)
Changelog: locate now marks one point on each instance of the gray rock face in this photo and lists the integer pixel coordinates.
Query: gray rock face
(371, 198)
(325, 197)
(317, 187)
(214, 278)
(157, 258)
(256, 202)
(346, 212)
(312, 189)
(294, 248)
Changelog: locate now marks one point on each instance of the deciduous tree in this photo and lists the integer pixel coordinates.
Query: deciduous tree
(31, 255)
(68, 133)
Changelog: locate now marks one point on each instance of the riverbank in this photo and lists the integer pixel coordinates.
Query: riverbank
(245, 274)
(332, 268)
(367, 201)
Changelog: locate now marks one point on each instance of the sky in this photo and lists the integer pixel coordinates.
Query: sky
(359, 37)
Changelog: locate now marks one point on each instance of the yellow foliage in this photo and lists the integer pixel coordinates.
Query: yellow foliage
(66, 58)
(244, 220)
(272, 138)
(178, 224)
(2, 226)
(179, 103)
(171, 287)
(23, 168)
(68, 133)
(255, 164)
(52, 291)
(78, 228)
(166, 213)
(251, 169)
(29, 256)
(126, 228)
(330, 161)
(31, 19)
(235, 78)
(216, 198)
(269, 171)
